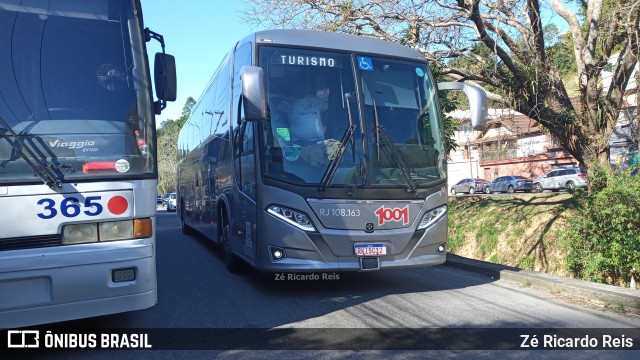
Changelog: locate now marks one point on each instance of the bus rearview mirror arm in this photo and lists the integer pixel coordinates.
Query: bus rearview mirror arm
(478, 105)
(164, 69)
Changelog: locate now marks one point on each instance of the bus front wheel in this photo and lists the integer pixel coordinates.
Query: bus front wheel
(231, 261)
(186, 229)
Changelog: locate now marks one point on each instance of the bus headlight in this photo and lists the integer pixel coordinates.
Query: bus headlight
(79, 233)
(431, 217)
(116, 230)
(107, 231)
(293, 217)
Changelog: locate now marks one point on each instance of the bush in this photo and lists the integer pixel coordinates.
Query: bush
(603, 239)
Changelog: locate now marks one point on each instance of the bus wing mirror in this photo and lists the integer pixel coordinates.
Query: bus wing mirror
(477, 102)
(254, 99)
(164, 76)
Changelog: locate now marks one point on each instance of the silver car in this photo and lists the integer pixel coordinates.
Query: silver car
(172, 203)
(509, 184)
(469, 185)
(558, 179)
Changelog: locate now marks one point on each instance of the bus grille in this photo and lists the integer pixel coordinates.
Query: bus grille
(30, 242)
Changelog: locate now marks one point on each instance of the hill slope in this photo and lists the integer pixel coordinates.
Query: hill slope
(521, 230)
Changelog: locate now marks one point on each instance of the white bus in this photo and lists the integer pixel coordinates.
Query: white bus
(77, 159)
(316, 151)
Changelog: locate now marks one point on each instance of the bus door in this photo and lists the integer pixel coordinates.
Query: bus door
(246, 177)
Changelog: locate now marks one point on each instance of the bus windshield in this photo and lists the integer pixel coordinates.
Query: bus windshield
(341, 119)
(74, 91)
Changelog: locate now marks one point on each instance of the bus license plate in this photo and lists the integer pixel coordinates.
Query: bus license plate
(370, 249)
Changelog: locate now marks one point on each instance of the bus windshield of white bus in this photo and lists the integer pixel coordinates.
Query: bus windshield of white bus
(74, 95)
(341, 119)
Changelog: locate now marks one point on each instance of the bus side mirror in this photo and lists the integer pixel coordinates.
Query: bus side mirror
(254, 99)
(164, 76)
(477, 102)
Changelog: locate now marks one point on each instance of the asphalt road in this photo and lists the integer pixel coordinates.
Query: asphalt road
(196, 291)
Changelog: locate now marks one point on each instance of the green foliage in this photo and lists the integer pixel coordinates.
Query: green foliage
(562, 56)
(168, 149)
(487, 235)
(448, 102)
(603, 239)
(526, 263)
(456, 236)
(188, 106)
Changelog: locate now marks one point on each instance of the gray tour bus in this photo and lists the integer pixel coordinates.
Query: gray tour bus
(316, 151)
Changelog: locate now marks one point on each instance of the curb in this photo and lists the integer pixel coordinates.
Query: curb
(615, 298)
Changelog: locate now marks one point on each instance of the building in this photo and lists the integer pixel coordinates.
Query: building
(626, 134)
(512, 144)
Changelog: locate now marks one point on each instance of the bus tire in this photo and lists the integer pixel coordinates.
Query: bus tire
(231, 260)
(186, 229)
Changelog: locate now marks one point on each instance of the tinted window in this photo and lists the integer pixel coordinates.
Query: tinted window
(74, 88)
(314, 103)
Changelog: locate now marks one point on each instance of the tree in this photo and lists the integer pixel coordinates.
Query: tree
(499, 44)
(168, 149)
(188, 106)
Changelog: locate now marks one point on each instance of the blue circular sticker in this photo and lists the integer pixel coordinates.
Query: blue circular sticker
(291, 153)
(419, 72)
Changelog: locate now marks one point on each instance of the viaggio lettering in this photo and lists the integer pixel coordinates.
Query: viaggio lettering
(71, 144)
(307, 60)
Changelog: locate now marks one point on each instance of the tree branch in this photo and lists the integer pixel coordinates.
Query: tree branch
(476, 18)
(574, 26)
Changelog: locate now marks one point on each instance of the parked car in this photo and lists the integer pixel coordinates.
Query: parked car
(165, 198)
(158, 199)
(172, 203)
(509, 184)
(567, 178)
(469, 185)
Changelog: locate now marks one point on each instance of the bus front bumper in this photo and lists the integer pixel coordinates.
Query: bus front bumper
(45, 285)
(333, 250)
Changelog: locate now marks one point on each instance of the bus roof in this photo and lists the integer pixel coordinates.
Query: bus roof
(335, 41)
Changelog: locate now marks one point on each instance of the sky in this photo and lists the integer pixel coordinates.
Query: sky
(198, 33)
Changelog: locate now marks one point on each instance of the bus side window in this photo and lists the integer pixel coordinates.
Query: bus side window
(247, 159)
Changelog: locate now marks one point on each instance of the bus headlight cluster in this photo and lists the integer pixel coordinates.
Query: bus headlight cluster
(293, 217)
(432, 216)
(116, 230)
(107, 231)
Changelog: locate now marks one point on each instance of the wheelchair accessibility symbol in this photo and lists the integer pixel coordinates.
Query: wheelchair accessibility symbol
(365, 63)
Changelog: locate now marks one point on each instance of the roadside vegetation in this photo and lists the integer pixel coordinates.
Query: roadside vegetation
(522, 230)
(593, 237)
(604, 235)
(168, 149)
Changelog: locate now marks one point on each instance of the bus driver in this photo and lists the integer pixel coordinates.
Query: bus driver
(305, 114)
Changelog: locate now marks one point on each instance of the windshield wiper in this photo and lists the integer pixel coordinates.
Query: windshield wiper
(346, 137)
(391, 150)
(362, 177)
(40, 167)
